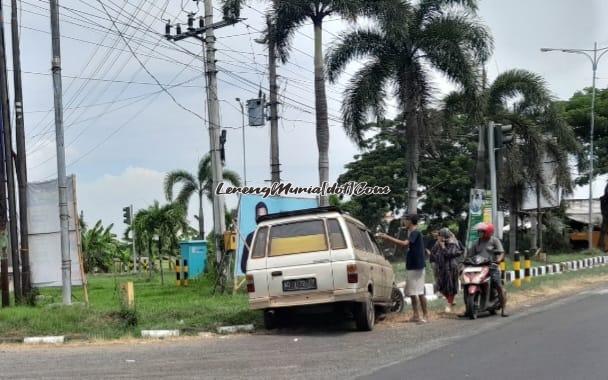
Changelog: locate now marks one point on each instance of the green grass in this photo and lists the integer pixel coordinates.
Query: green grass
(190, 309)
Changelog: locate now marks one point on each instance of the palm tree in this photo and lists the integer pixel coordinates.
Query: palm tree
(165, 223)
(404, 43)
(287, 17)
(522, 99)
(199, 183)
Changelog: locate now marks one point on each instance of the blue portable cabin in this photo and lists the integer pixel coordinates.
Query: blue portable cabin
(195, 252)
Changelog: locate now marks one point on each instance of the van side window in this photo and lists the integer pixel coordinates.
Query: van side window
(259, 246)
(356, 236)
(373, 242)
(336, 237)
(366, 241)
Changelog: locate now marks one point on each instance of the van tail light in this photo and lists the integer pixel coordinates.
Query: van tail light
(250, 284)
(351, 273)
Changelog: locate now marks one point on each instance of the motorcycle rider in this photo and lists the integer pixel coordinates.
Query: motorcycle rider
(490, 247)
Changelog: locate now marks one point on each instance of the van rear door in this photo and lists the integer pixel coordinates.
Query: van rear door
(299, 258)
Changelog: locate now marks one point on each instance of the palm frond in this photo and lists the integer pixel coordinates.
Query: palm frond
(455, 44)
(175, 177)
(530, 86)
(430, 8)
(231, 9)
(287, 17)
(365, 92)
(350, 46)
(186, 192)
(204, 169)
(232, 177)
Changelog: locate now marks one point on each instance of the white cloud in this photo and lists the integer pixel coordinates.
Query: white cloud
(105, 197)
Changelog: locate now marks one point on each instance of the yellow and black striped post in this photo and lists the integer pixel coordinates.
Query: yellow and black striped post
(527, 266)
(178, 281)
(517, 269)
(185, 273)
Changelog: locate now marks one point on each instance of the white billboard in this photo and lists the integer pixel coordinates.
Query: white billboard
(44, 233)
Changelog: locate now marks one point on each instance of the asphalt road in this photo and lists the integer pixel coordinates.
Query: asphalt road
(561, 340)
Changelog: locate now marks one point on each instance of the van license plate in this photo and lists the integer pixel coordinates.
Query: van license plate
(299, 284)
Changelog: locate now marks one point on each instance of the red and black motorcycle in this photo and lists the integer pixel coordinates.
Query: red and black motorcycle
(479, 295)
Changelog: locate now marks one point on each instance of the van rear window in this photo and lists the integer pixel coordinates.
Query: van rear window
(297, 237)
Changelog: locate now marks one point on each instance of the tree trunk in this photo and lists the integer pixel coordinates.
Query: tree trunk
(201, 219)
(321, 109)
(480, 167)
(539, 220)
(536, 228)
(412, 132)
(160, 261)
(150, 261)
(513, 225)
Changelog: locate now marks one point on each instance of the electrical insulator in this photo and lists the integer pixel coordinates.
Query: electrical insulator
(201, 22)
(178, 29)
(167, 30)
(190, 21)
(223, 146)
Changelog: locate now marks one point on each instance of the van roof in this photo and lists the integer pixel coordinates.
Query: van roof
(306, 211)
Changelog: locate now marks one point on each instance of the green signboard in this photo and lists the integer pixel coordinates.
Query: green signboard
(480, 210)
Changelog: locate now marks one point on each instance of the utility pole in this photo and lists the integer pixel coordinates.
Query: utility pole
(21, 154)
(205, 33)
(66, 264)
(8, 163)
(244, 151)
(275, 166)
(493, 186)
(4, 283)
(213, 106)
(133, 241)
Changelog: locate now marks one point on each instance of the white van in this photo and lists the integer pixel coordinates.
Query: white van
(314, 257)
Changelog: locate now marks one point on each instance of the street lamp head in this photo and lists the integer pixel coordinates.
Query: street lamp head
(544, 50)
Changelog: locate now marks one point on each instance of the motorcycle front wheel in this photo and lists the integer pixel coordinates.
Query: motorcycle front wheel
(471, 304)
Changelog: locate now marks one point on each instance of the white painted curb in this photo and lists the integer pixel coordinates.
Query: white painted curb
(159, 333)
(44, 340)
(235, 329)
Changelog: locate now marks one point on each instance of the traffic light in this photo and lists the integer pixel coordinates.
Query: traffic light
(126, 215)
(222, 145)
(503, 135)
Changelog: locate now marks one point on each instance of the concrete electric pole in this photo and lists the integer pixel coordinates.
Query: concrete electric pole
(205, 33)
(21, 154)
(8, 161)
(66, 263)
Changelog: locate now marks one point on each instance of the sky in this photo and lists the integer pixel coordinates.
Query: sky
(123, 133)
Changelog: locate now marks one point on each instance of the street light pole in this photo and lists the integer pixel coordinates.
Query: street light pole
(244, 151)
(594, 58)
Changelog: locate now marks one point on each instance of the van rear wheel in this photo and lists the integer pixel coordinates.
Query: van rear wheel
(365, 315)
(271, 319)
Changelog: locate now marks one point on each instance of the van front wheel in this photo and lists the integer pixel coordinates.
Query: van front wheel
(365, 315)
